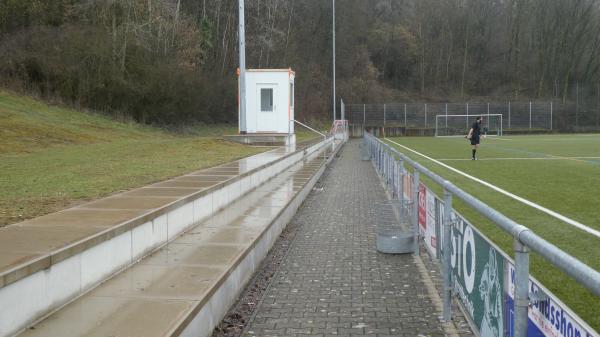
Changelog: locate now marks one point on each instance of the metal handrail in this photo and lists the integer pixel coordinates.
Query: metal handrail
(525, 239)
(565, 262)
(311, 129)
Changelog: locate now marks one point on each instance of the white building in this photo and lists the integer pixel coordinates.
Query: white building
(270, 101)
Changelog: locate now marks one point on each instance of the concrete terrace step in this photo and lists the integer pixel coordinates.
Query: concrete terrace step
(187, 286)
(48, 261)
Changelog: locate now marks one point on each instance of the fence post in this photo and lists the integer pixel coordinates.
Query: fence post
(384, 115)
(405, 126)
(425, 115)
(551, 113)
(509, 114)
(529, 115)
(415, 210)
(446, 115)
(577, 107)
(467, 116)
(364, 116)
(521, 288)
(446, 256)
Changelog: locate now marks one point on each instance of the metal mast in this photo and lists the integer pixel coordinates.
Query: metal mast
(334, 105)
(242, 47)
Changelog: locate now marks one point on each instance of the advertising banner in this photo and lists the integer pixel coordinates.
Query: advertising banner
(484, 282)
(483, 277)
(547, 316)
(427, 218)
(430, 216)
(478, 273)
(408, 186)
(422, 207)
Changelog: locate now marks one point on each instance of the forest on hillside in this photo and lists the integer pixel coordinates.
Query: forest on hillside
(174, 61)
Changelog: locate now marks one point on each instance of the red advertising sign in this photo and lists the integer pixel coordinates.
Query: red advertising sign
(422, 206)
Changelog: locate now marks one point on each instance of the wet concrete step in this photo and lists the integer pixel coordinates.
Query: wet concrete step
(186, 287)
(48, 261)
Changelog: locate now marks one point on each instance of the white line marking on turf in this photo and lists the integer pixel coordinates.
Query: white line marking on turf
(498, 138)
(513, 196)
(523, 158)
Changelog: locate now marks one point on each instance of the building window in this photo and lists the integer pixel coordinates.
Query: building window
(266, 99)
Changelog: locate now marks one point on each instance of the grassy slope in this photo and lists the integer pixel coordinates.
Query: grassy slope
(52, 157)
(569, 187)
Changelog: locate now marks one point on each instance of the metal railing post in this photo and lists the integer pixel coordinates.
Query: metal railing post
(393, 167)
(388, 163)
(521, 289)
(527, 240)
(381, 158)
(396, 175)
(426, 115)
(446, 256)
(405, 126)
(377, 156)
(415, 210)
(378, 163)
(401, 182)
(387, 169)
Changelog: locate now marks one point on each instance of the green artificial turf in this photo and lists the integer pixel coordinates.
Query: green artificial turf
(559, 172)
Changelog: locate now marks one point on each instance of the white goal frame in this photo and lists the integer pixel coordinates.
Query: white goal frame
(468, 125)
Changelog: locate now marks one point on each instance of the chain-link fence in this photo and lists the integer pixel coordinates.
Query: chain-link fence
(516, 116)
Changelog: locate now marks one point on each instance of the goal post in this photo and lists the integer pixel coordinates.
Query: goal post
(459, 125)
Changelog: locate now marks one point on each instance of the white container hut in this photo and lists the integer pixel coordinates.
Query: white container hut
(270, 102)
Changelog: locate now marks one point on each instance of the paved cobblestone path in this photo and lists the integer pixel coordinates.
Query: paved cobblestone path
(332, 281)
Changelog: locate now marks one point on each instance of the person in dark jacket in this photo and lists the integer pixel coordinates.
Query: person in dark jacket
(475, 136)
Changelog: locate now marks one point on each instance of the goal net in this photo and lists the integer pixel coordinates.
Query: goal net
(459, 125)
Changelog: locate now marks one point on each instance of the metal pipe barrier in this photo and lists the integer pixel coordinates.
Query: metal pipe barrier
(311, 129)
(383, 154)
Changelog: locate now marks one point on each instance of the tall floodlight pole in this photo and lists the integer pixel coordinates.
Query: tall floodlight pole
(242, 47)
(334, 105)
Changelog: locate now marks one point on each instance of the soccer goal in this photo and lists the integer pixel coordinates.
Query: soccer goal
(459, 125)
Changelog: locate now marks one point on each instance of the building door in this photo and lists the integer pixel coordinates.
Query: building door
(267, 108)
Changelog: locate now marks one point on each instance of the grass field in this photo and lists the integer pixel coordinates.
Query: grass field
(558, 172)
(51, 157)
